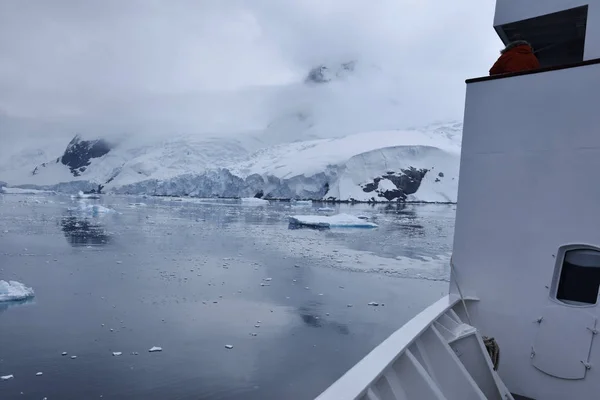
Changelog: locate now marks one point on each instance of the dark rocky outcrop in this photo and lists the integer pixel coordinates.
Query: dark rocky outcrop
(323, 74)
(79, 153)
(406, 182)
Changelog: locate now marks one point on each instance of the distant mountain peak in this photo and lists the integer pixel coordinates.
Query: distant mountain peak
(323, 73)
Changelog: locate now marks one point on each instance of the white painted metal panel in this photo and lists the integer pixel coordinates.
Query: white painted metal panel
(530, 157)
(563, 342)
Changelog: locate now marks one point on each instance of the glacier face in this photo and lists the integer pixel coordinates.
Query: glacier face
(404, 165)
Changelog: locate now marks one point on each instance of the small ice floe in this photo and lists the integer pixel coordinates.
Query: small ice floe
(64, 353)
(116, 353)
(229, 346)
(39, 373)
(252, 201)
(154, 349)
(14, 291)
(6, 377)
(134, 353)
(119, 262)
(73, 357)
(94, 209)
(264, 284)
(332, 221)
(267, 279)
(349, 305)
(81, 195)
(257, 326)
(373, 303)
(253, 334)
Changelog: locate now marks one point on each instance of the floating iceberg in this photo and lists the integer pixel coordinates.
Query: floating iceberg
(14, 291)
(253, 201)
(82, 195)
(333, 221)
(93, 209)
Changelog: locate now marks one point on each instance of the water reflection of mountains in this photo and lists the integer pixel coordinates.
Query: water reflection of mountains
(83, 232)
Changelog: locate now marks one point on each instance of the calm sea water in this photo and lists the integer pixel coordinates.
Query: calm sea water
(195, 276)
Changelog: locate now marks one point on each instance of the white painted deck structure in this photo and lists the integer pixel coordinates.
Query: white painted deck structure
(527, 235)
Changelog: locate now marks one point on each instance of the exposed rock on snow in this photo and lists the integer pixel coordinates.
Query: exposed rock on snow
(14, 291)
(79, 152)
(333, 221)
(324, 74)
(78, 155)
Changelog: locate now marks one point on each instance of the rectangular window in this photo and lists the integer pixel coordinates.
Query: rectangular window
(579, 279)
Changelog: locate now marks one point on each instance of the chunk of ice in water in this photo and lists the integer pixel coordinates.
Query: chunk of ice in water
(64, 353)
(228, 346)
(155, 348)
(373, 303)
(73, 357)
(268, 279)
(116, 353)
(6, 377)
(14, 291)
(39, 374)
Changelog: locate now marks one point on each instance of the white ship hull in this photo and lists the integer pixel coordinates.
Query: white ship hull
(436, 355)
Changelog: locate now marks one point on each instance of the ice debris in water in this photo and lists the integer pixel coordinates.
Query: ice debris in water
(155, 348)
(254, 201)
(39, 374)
(228, 346)
(268, 279)
(14, 291)
(64, 353)
(373, 303)
(6, 377)
(117, 353)
(332, 221)
(73, 357)
(93, 209)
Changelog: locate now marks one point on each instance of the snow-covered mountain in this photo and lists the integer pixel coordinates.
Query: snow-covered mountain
(328, 137)
(405, 165)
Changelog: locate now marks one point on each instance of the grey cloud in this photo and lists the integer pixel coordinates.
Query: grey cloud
(130, 65)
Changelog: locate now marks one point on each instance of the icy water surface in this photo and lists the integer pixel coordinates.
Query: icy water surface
(192, 277)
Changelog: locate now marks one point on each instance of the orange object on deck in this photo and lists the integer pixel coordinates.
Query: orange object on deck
(516, 57)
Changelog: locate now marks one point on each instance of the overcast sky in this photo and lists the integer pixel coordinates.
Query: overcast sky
(91, 60)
